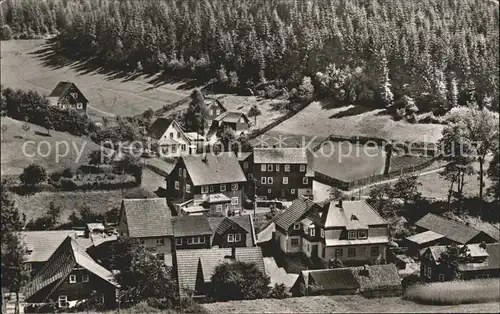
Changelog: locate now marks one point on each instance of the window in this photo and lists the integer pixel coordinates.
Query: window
(312, 232)
(222, 187)
(441, 277)
(171, 135)
(184, 173)
(85, 278)
(270, 180)
(351, 252)
(285, 180)
(245, 165)
(183, 147)
(217, 111)
(362, 234)
(178, 241)
(322, 233)
(74, 95)
(263, 180)
(295, 242)
(270, 167)
(234, 201)
(237, 237)
(178, 134)
(160, 241)
(63, 301)
(218, 208)
(234, 186)
(211, 112)
(277, 167)
(269, 191)
(351, 235)
(196, 240)
(204, 189)
(296, 226)
(263, 167)
(305, 180)
(212, 188)
(429, 272)
(79, 105)
(177, 185)
(302, 168)
(230, 237)
(425, 271)
(292, 191)
(72, 278)
(180, 172)
(160, 257)
(142, 241)
(174, 149)
(188, 188)
(27, 267)
(338, 252)
(374, 251)
(287, 168)
(250, 176)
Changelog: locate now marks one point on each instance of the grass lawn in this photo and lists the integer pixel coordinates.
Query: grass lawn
(329, 304)
(322, 119)
(34, 206)
(400, 162)
(22, 66)
(13, 160)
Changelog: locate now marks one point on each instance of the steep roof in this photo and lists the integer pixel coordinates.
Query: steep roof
(244, 221)
(425, 237)
(333, 279)
(242, 156)
(148, 217)
(297, 209)
(186, 226)
(377, 277)
(189, 261)
(61, 263)
(280, 155)
(453, 230)
(158, 128)
(231, 117)
(43, 244)
(352, 212)
(214, 169)
(62, 88)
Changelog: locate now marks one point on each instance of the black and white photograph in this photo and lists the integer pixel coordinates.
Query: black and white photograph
(250, 156)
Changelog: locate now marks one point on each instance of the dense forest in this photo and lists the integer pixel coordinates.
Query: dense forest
(415, 56)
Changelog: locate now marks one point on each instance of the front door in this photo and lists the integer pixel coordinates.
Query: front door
(314, 251)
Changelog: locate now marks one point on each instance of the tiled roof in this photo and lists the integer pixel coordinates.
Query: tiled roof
(293, 213)
(43, 243)
(333, 279)
(148, 217)
(341, 217)
(186, 226)
(231, 116)
(453, 230)
(188, 262)
(280, 155)
(61, 263)
(158, 128)
(61, 89)
(244, 221)
(425, 237)
(217, 198)
(377, 277)
(214, 169)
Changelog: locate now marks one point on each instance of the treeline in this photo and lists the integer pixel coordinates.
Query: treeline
(420, 55)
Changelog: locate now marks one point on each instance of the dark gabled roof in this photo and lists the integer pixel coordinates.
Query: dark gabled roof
(186, 226)
(214, 169)
(377, 277)
(242, 156)
(158, 128)
(189, 261)
(62, 88)
(231, 117)
(244, 221)
(148, 217)
(42, 244)
(333, 279)
(425, 237)
(280, 155)
(297, 209)
(453, 230)
(62, 262)
(352, 213)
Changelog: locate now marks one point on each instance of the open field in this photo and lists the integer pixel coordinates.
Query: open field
(23, 66)
(329, 304)
(13, 160)
(322, 119)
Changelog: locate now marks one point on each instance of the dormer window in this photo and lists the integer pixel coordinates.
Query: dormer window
(362, 234)
(312, 231)
(351, 235)
(296, 226)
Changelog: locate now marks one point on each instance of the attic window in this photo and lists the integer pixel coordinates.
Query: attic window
(362, 234)
(351, 235)
(29, 251)
(296, 226)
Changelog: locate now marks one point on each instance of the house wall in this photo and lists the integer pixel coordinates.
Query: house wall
(151, 245)
(212, 112)
(181, 175)
(198, 197)
(184, 245)
(174, 132)
(222, 240)
(278, 189)
(363, 253)
(213, 209)
(282, 240)
(68, 102)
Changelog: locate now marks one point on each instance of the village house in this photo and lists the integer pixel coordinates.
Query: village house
(171, 140)
(349, 231)
(483, 262)
(149, 221)
(67, 96)
(192, 232)
(436, 230)
(197, 177)
(369, 281)
(196, 267)
(283, 173)
(214, 109)
(71, 276)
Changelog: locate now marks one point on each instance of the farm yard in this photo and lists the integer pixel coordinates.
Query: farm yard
(28, 64)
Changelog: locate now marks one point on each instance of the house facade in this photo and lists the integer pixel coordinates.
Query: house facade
(283, 173)
(192, 232)
(197, 177)
(170, 139)
(67, 96)
(214, 109)
(149, 222)
(349, 231)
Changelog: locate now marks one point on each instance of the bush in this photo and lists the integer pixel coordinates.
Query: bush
(278, 291)
(67, 173)
(68, 184)
(455, 292)
(6, 32)
(188, 305)
(54, 177)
